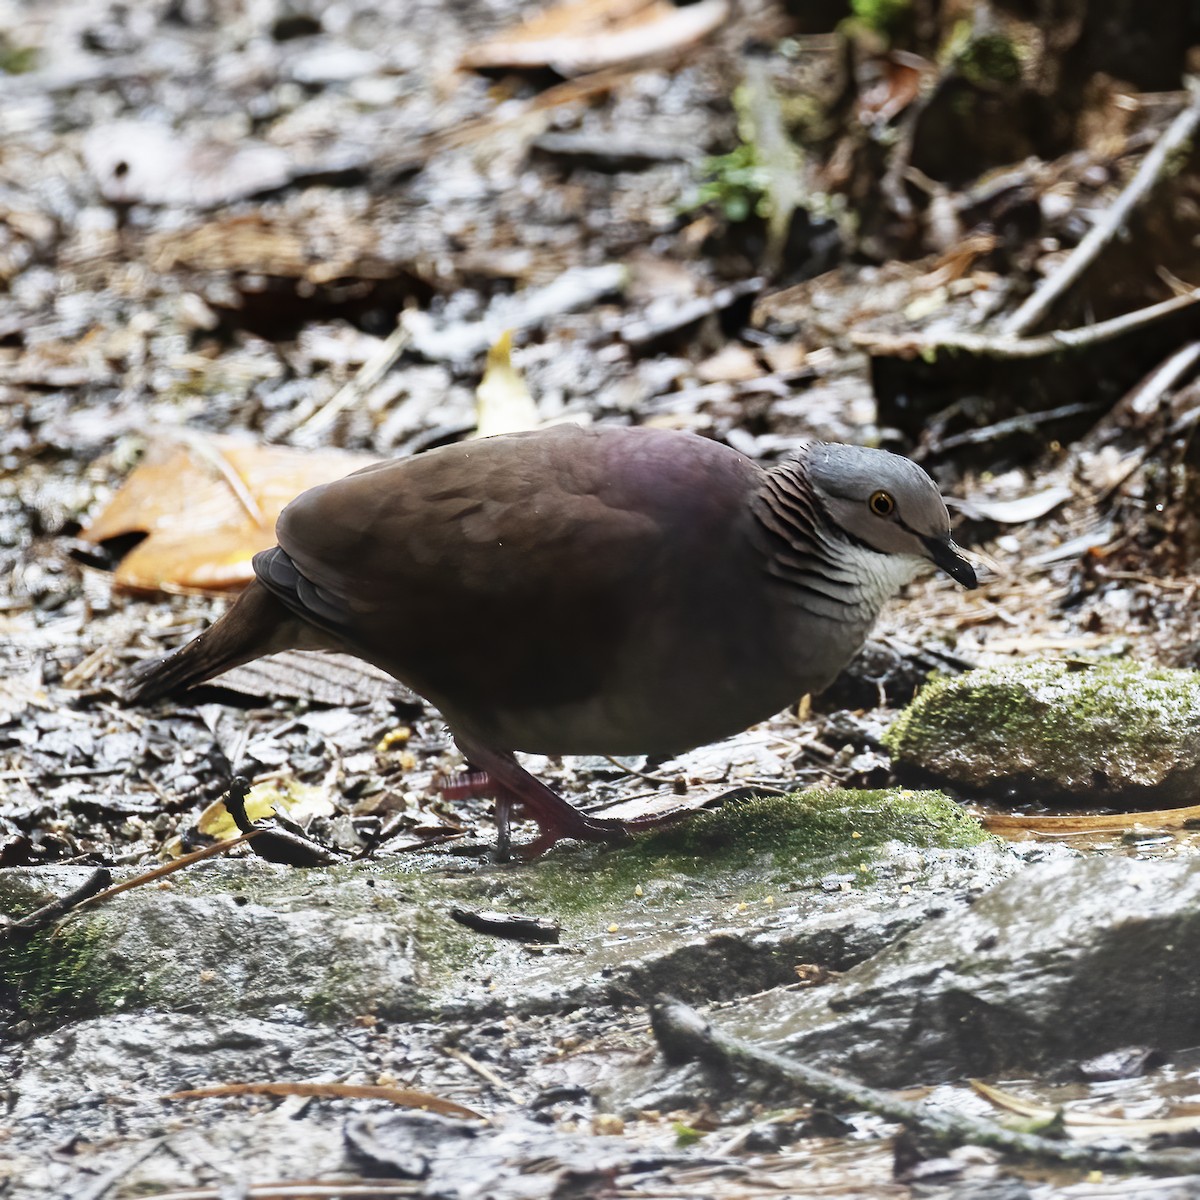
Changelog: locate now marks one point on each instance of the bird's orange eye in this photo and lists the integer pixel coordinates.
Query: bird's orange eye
(882, 504)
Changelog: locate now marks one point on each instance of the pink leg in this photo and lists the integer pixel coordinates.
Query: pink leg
(556, 818)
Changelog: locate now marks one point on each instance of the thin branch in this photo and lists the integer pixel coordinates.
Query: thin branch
(402, 1096)
(315, 1189)
(684, 1035)
(1006, 347)
(484, 1072)
(1018, 424)
(1155, 167)
(355, 391)
(99, 1188)
(27, 926)
(170, 868)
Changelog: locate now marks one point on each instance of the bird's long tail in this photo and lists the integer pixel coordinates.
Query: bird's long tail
(255, 624)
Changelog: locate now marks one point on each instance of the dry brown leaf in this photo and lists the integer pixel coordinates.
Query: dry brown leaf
(589, 35)
(890, 83)
(252, 243)
(407, 1097)
(208, 505)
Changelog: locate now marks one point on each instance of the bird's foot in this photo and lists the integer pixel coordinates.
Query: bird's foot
(557, 820)
(555, 824)
(569, 824)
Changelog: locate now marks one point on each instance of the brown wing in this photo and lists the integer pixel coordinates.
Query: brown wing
(503, 572)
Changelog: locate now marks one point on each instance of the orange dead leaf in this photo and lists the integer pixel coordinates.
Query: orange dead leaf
(208, 505)
(589, 35)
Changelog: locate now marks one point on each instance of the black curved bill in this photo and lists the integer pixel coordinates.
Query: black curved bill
(946, 555)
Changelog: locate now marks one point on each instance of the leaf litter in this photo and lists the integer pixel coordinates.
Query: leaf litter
(127, 309)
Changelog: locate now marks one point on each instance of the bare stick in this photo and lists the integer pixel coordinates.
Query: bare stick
(354, 392)
(1005, 347)
(27, 926)
(1155, 167)
(684, 1035)
(170, 868)
(205, 448)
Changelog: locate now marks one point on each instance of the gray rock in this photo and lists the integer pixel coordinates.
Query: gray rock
(241, 971)
(1062, 962)
(726, 904)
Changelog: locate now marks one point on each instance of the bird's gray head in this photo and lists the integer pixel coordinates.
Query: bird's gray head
(886, 503)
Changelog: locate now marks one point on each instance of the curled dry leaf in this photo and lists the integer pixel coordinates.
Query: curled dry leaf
(590, 35)
(1162, 818)
(1087, 1124)
(207, 506)
(1020, 510)
(891, 83)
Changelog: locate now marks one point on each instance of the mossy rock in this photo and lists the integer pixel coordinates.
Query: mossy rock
(1097, 732)
(245, 938)
(794, 839)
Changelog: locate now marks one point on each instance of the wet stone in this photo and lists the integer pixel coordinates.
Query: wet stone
(1061, 963)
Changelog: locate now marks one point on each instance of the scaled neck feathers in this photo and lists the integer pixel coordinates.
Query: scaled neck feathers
(830, 572)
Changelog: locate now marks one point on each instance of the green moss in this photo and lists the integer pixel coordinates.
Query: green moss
(339, 992)
(16, 60)
(883, 16)
(991, 58)
(801, 837)
(63, 969)
(736, 183)
(1077, 720)
(817, 825)
(448, 948)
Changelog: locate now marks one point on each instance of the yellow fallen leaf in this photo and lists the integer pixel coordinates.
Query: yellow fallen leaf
(502, 400)
(298, 801)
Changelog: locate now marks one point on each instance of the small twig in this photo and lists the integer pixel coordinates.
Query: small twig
(170, 868)
(98, 1188)
(1145, 397)
(353, 392)
(359, 1189)
(404, 1097)
(1007, 348)
(484, 1072)
(83, 671)
(658, 779)
(1133, 411)
(37, 920)
(684, 1036)
(1017, 424)
(1153, 169)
